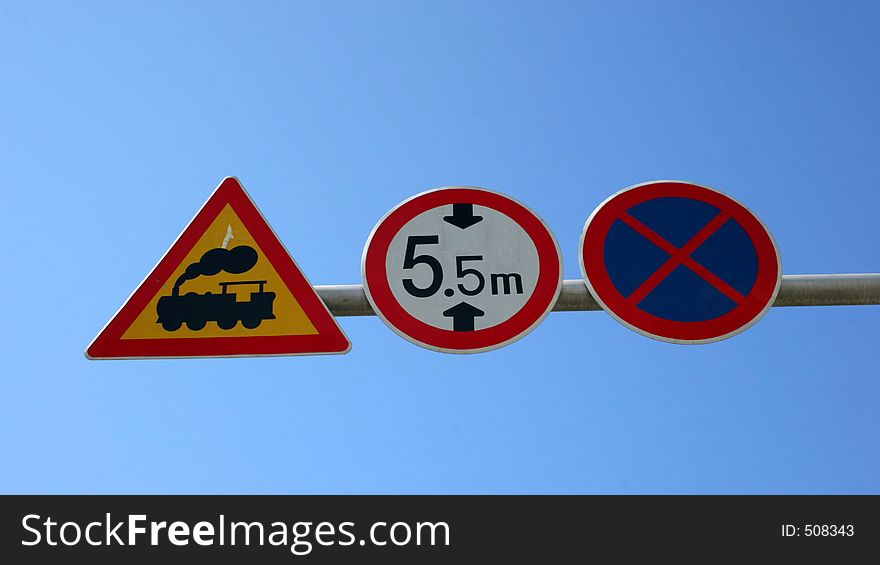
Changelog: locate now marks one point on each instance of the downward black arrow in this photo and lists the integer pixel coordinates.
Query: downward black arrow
(463, 216)
(463, 315)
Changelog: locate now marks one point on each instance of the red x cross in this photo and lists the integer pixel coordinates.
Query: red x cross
(681, 255)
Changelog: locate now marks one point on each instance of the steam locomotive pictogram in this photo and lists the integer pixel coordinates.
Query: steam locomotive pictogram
(196, 310)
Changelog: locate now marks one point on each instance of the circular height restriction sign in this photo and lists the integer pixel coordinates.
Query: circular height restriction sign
(461, 270)
(680, 262)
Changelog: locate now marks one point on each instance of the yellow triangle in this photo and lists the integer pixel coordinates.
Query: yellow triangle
(227, 231)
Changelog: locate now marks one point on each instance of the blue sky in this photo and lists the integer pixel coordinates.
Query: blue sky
(118, 119)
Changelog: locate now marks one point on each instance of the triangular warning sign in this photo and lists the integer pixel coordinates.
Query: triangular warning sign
(226, 288)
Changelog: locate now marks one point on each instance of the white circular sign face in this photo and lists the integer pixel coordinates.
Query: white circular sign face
(462, 270)
(498, 284)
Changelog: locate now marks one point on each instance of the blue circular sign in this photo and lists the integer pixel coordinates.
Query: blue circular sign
(680, 262)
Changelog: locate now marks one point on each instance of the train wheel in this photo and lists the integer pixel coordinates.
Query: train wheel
(195, 325)
(171, 325)
(251, 323)
(227, 324)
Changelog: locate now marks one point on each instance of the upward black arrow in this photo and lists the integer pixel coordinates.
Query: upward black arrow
(463, 216)
(463, 315)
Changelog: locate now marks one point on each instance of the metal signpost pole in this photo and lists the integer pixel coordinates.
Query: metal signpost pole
(796, 290)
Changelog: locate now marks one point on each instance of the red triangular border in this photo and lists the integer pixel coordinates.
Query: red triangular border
(329, 339)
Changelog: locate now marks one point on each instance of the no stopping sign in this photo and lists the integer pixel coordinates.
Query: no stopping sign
(461, 270)
(680, 262)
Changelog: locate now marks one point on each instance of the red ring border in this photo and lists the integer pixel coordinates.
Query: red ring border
(756, 304)
(409, 327)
